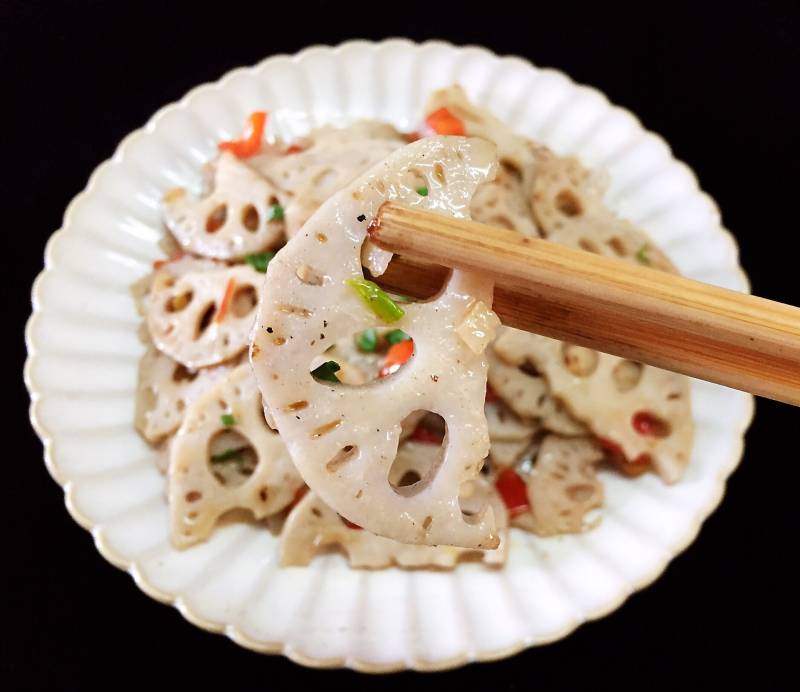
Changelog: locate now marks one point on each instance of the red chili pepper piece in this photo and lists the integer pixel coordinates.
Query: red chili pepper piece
(298, 495)
(616, 457)
(397, 356)
(294, 149)
(423, 434)
(174, 257)
(646, 423)
(513, 491)
(412, 136)
(443, 122)
(350, 525)
(225, 305)
(251, 142)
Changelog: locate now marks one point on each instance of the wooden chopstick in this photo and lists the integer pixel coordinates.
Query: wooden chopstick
(636, 312)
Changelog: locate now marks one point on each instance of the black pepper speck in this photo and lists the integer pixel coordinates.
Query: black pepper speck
(361, 217)
(269, 330)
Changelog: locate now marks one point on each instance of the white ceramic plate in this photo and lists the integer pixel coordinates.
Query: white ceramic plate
(83, 346)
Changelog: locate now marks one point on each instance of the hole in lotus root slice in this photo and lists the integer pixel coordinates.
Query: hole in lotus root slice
(193, 336)
(165, 389)
(526, 392)
(626, 374)
(230, 222)
(609, 411)
(580, 361)
(562, 487)
(242, 466)
(504, 203)
(419, 456)
(313, 528)
(445, 375)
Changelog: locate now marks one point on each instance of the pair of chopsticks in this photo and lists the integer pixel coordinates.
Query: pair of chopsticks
(678, 324)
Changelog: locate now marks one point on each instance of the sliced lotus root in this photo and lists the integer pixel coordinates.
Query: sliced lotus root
(166, 389)
(528, 395)
(562, 487)
(343, 438)
(504, 203)
(313, 526)
(641, 409)
(203, 318)
(333, 159)
(505, 425)
(508, 453)
(237, 218)
(512, 150)
(225, 457)
(569, 209)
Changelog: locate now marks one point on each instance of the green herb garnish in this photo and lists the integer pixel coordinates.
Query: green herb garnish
(641, 255)
(259, 261)
(376, 299)
(276, 212)
(367, 341)
(327, 371)
(396, 336)
(422, 191)
(232, 454)
(227, 419)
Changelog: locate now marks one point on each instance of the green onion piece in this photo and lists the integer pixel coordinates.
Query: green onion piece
(228, 455)
(276, 212)
(641, 255)
(259, 261)
(422, 191)
(367, 341)
(376, 299)
(227, 419)
(396, 336)
(327, 371)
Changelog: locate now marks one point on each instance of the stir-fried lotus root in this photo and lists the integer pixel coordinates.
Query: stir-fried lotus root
(514, 152)
(332, 159)
(568, 205)
(225, 457)
(503, 203)
(343, 438)
(313, 526)
(202, 318)
(528, 395)
(166, 389)
(643, 410)
(238, 217)
(562, 487)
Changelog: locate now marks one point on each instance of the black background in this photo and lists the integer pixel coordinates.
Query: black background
(717, 80)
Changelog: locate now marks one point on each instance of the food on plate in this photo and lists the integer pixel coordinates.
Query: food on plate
(286, 385)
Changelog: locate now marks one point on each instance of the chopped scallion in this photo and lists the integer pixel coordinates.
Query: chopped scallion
(642, 256)
(327, 371)
(376, 299)
(227, 419)
(276, 212)
(367, 341)
(259, 261)
(422, 191)
(396, 336)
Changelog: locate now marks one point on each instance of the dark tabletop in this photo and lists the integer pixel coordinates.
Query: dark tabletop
(719, 84)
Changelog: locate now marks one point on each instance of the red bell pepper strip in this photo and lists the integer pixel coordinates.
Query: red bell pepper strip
(251, 142)
(225, 305)
(397, 356)
(513, 491)
(443, 122)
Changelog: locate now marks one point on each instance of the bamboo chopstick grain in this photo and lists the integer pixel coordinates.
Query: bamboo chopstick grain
(636, 312)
